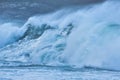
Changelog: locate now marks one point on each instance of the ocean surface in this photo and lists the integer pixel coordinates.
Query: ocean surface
(69, 40)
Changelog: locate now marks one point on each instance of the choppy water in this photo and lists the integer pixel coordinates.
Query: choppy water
(56, 73)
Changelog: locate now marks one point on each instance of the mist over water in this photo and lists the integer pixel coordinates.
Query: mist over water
(75, 37)
(96, 40)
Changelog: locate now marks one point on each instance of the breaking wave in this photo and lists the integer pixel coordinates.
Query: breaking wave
(69, 37)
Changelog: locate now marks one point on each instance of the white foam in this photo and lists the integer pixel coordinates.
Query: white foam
(9, 33)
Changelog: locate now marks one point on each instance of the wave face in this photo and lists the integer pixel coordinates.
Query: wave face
(87, 37)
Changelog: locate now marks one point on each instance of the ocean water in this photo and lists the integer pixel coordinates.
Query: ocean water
(73, 43)
(56, 73)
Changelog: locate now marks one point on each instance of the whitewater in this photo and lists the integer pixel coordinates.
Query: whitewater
(75, 38)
